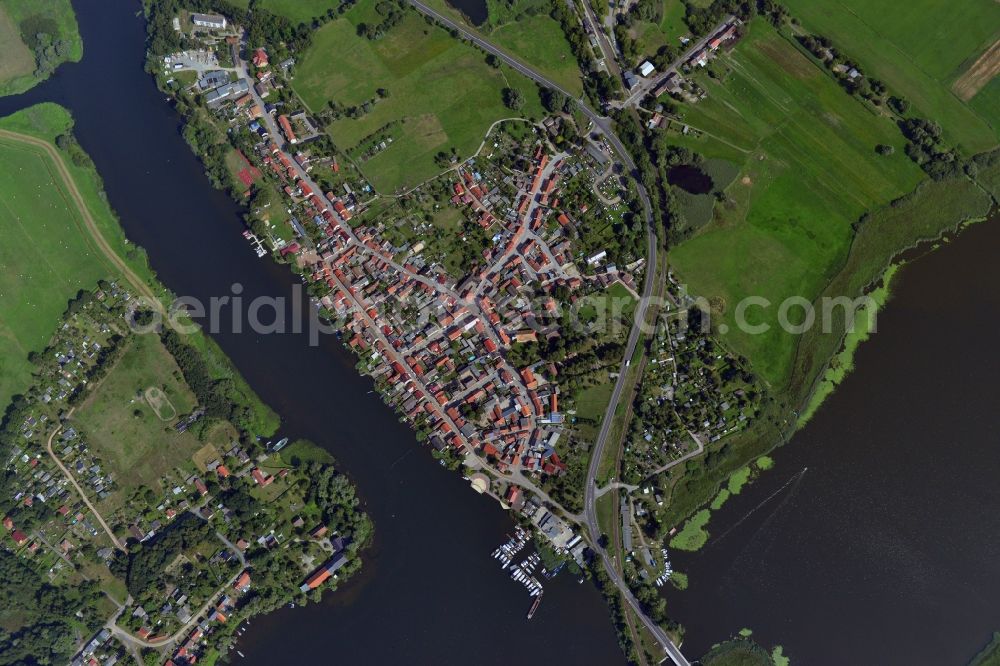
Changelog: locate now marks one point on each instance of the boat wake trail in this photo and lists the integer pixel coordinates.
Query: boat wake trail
(795, 479)
(400, 458)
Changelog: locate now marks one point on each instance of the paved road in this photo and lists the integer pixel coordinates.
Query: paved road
(644, 86)
(130, 640)
(604, 125)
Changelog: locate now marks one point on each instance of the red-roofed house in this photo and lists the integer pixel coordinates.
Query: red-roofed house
(261, 478)
(19, 537)
(242, 584)
(286, 128)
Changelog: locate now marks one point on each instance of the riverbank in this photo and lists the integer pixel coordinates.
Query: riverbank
(215, 423)
(990, 656)
(113, 255)
(824, 354)
(38, 36)
(874, 528)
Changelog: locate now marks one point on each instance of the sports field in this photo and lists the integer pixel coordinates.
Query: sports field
(123, 427)
(808, 170)
(919, 49)
(441, 93)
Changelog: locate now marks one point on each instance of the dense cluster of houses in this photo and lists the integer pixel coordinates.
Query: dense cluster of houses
(437, 343)
(74, 351)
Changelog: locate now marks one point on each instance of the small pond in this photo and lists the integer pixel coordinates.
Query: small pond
(690, 179)
(474, 10)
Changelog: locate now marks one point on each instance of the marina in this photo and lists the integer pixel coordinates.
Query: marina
(256, 242)
(668, 569)
(523, 572)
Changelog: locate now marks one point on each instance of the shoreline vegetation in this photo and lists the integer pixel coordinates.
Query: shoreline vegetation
(38, 36)
(880, 239)
(694, 534)
(742, 650)
(207, 404)
(53, 123)
(990, 655)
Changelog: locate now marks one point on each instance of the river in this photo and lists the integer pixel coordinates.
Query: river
(429, 591)
(886, 549)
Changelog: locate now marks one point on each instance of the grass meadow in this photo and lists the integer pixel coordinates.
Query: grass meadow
(918, 49)
(135, 444)
(650, 36)
(18, 60)
(45, 259)
(808, 171)
(46, 256)
(55, 17)
(526, 30)
(442, 94)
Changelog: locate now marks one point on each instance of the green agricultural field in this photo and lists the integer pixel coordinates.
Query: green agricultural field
(441, 93)
(45, 248)
(121, 425)
(919, 50)
(18, 60)
(808, 171)
(45, 259)
(671, 27)
(525, 29)
(31, 253)
(20, 23)
(935, 207)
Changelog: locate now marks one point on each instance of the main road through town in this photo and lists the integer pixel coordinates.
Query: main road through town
(603, 124)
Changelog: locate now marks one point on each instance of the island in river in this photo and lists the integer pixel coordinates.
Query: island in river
(142, 501)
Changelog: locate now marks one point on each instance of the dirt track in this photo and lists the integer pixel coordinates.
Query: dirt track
(979, 73)
(91, 225)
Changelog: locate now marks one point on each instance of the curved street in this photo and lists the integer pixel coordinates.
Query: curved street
(603, 124)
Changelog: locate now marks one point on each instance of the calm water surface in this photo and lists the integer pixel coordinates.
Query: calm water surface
(475, 10)
(876, 537)
(429, 592)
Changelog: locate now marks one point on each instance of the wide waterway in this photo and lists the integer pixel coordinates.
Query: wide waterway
(429, 591)
(884, 546)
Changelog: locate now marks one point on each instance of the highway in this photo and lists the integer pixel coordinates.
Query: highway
(604, 125)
